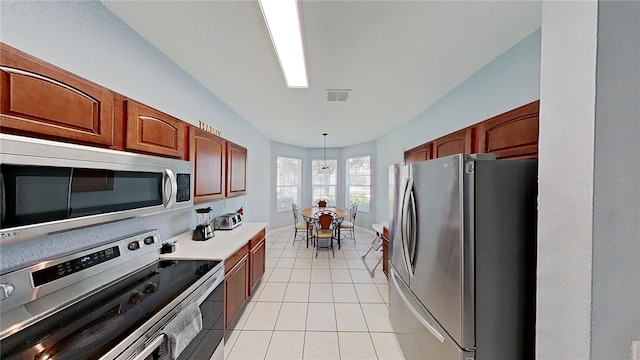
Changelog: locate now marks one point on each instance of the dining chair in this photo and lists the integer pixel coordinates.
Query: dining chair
(298, 226)
(322, 203)
(350, 225)
(324, 230)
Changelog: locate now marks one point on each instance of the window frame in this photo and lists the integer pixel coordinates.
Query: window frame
(333, 201)
(298, 186)
(348, 185)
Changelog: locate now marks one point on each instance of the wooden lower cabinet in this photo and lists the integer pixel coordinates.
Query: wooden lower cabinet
(385, 251)
(257, 256)
(236, 285)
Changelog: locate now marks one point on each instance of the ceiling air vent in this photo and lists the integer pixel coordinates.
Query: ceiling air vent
(338, 94)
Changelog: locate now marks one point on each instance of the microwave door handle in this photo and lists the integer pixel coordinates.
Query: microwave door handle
(405, 226)
(170, 180)
(69, 192)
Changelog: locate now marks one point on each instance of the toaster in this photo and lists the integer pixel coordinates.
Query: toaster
(227, 221)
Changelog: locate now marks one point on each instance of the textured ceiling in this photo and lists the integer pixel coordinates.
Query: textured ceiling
(397, 57)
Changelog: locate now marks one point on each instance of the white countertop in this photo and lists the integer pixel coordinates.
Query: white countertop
(220, 247)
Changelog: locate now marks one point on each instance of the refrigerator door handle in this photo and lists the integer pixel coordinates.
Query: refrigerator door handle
(413, 241)
(413, 310)
(405, 232)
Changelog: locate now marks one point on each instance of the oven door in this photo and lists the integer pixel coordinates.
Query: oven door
(209, 343)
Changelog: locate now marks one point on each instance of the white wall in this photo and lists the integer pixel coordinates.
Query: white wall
(567, 111)
(511, 80)
(85, 38)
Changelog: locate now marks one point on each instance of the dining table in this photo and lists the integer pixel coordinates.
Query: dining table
(309, 214)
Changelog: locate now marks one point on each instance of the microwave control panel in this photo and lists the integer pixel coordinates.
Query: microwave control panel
(184, 187)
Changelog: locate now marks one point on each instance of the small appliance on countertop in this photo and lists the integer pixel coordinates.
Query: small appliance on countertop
(227, 221)
(204, 230)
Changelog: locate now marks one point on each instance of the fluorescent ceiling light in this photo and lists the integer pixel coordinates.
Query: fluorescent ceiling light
(283, 22)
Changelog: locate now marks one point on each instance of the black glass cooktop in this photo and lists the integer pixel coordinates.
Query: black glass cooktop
(93, 326)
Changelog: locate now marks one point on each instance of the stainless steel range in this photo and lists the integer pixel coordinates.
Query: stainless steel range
(113, 301)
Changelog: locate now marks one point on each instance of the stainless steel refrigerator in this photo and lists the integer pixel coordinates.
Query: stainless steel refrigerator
(462, 256)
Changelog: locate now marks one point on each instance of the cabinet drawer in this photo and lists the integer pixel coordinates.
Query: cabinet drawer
(233, 259)
(256, 239)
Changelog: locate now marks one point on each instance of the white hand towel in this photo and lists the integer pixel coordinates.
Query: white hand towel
(181, 330)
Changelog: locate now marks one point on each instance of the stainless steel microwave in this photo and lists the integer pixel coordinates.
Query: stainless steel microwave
(48, 186)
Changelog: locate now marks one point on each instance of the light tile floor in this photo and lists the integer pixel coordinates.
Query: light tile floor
(316, 308)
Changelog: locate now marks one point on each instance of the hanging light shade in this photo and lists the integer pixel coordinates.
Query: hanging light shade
(325, 169)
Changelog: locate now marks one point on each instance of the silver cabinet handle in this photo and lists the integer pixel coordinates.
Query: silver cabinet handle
(413, 310)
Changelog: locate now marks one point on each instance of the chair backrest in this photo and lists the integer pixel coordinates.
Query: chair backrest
(294, 208)
(325, 219)
(352, 213)
(322, 203)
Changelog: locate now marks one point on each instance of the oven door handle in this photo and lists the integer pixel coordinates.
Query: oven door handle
(149, 349)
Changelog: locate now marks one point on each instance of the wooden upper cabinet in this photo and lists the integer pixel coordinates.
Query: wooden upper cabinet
(154, 132)
(511, 135)
(236, 170)
(417, 154)
(208, 152)
(455, 143)
(41, 100)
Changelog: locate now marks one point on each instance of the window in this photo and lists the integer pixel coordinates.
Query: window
(288, 183)
(359, 182)
(324, 184)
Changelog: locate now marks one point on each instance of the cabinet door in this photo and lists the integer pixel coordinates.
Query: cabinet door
(511, 135)
(236, 170)
(236, 283)
(208, 152)
(455, 143)
(257, 256)
(154, 132)
(417, 154)
(39, 99)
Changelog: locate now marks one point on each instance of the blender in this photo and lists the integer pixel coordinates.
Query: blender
(204, 229)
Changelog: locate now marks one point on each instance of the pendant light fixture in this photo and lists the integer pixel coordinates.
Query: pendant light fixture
(325, 169)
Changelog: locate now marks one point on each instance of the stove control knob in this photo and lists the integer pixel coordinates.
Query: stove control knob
(151, 288)
(134, 245)
(6, 290)
(136, 298)
(149, 240)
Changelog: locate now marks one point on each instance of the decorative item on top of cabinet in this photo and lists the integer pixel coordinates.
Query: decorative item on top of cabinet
(257, 254)
(454, 143)
(208, 152)
(42, 100)
(417, 154)
(236, 170)
(511, 135)
(154, 132)
(236, 284)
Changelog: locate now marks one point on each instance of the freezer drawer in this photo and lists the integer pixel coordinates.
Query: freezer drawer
(419, 335)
